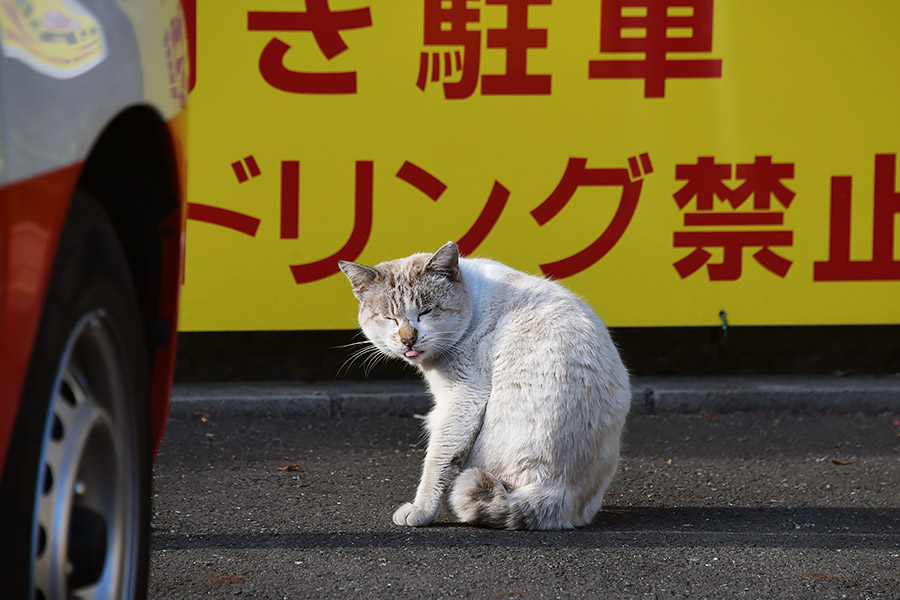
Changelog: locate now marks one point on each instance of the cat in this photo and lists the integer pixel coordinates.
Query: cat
(529, 393)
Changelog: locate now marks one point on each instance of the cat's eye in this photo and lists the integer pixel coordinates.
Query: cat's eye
(390, 319)
(424, 312)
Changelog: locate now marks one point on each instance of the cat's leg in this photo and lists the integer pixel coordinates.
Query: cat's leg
(453, 425)
(600, 478)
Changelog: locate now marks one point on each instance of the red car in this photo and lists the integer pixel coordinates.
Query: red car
(92, 176)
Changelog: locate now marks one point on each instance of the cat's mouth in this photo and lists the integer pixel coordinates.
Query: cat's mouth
(412, 353)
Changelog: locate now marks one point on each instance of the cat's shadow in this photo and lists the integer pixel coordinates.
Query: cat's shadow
(781, 527)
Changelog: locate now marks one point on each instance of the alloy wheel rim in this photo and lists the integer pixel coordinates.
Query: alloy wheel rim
(85, 531)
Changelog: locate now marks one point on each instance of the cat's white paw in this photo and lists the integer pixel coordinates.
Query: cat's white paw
(410, 514)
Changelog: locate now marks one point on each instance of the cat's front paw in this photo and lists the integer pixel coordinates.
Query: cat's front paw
(415, 516)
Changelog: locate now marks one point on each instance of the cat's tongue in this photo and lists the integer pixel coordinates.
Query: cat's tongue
(411, 353)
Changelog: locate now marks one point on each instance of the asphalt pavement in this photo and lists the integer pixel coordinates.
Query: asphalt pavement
(728, 488)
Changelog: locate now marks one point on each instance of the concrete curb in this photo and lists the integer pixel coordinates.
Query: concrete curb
(649, 395)
(314, 399)
(804, 394)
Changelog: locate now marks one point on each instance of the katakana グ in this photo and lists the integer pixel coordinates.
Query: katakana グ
(576, 175)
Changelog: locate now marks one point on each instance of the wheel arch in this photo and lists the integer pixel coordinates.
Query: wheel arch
(133, 171)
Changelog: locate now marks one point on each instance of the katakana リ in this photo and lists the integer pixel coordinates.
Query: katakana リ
(705, 181)
(884, 265)
(446, 24)
(359, 236)
(325, 25)
(661, 22)
(576, 175)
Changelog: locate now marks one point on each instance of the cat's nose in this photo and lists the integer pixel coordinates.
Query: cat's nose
(408, 334)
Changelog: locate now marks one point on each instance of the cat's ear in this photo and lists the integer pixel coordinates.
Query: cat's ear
(358, 275)
(445, 261)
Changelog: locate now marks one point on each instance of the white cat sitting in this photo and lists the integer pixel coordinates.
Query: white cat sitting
(530, 395)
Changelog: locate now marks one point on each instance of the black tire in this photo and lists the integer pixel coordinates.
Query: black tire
(75, 497)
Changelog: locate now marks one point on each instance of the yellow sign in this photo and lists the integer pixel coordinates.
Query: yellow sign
(666, 159)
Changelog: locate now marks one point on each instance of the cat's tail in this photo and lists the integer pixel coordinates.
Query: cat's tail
(479, 498)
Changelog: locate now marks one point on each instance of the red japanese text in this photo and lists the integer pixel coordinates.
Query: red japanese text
(663, 23)
(325, 26)
(447, 24)
(711, 228)
(576, 175)
(884, 265)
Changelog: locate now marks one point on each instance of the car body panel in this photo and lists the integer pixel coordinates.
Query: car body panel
(51, 116)
(28, 239)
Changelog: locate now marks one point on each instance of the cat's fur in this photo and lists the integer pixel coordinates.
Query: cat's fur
(530, 395)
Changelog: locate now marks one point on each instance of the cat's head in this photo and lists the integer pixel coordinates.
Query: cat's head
(413, 308)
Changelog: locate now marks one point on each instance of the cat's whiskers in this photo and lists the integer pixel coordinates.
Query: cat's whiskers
(363, 342)
(372, 361)
(367, 350)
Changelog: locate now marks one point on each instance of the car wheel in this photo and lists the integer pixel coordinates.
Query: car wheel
(76, 488)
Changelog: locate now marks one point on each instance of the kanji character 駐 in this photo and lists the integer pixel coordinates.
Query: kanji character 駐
(446, 23)
(325, 25)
